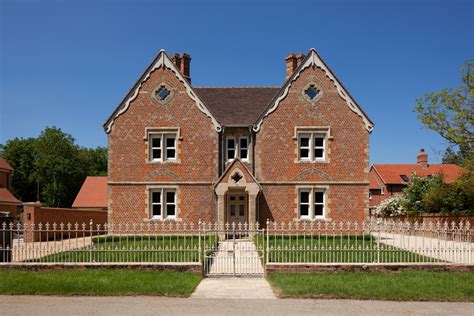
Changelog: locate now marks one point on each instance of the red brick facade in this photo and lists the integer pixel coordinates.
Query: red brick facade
(272, 149)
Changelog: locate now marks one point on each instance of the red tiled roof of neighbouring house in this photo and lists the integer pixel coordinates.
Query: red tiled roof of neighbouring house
(392, 173)
(237, 105)
(93, 193)
(6, 197)
(5, 165)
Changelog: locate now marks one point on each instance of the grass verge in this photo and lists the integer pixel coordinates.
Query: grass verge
(98, 282)
(406, 285)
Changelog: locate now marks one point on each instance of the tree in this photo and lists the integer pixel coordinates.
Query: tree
(55, 162)
(450, 113)
(20, 154)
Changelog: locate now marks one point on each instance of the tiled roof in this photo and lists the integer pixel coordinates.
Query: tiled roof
(7, 197)
(5, 165)
(373, 183)
(237, 106)
(390, 173)
(93, 193)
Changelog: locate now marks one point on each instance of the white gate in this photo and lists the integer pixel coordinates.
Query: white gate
(239, 252)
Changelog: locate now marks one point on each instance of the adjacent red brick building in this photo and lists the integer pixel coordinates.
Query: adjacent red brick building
(387, 180)
(8, 202)
(238, 154)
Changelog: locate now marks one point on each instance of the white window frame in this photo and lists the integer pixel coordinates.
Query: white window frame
(228, 158)
(306, 203)
(312, 203)
(312, 134)
(300, 136)
(162, 136)
(163, 204)
(246, 148)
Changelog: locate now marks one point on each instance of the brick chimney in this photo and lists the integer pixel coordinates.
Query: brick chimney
(183, 63)
(291, 65)
(422, 159)
(299, 59)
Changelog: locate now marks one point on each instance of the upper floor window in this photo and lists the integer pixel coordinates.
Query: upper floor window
(163, 203)
(312, 146)
(162, 146)
(237, 148)
(311, 203)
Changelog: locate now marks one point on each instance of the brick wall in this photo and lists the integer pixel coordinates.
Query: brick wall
(347, 158)
(34, 213)
(197, 152)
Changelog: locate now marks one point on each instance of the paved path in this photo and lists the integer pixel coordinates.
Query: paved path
(33, 250)
(146, 305)
(448, 250)
(249, 288)
(246, 260)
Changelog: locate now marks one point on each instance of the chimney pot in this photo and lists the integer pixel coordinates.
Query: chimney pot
(183, 63)
(299, 59)
(422, 159)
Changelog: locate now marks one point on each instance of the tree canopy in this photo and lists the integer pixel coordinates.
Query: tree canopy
(450, 113)
(55, 162)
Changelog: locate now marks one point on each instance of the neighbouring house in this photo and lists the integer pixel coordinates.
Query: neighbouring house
(387, 180)
(8, 202)
(93, 194)
(178, 152)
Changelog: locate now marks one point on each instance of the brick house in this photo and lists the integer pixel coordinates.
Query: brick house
(8, 202)
(238, 154)
(387, 180)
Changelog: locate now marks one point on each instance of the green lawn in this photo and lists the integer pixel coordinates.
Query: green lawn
(98, 282)
(135, 249)
(407, 285)
(339, 249)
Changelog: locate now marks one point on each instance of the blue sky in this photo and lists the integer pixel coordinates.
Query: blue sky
(69, 63)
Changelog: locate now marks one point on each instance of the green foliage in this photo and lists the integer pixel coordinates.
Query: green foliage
(432, 195)
(393, 206)
(55, 162)
(450, 114)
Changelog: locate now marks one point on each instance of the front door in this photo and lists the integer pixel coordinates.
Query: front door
(237, 208)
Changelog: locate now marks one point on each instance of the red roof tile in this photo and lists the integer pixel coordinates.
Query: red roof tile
(7, 197)
(390, 173)
(5, 165)
(93, 193)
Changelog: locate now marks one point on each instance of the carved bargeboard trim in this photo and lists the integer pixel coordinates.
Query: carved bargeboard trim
(314, 59)
(164, 61)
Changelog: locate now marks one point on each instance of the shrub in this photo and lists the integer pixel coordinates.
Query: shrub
(391, 207)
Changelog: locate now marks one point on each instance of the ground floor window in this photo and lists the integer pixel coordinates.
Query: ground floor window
(311, 203)
(163, 203)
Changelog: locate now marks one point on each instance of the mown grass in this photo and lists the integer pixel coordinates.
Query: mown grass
(98, 282)
(335, 249)
(135, 249)
(407, 285)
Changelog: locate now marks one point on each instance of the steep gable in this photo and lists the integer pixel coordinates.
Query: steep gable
(313, 59)
(161, 60)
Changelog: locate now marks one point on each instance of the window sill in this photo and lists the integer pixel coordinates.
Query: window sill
(313, 161)
(155, 162)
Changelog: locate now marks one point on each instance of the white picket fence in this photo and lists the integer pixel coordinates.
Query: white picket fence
(238, 248)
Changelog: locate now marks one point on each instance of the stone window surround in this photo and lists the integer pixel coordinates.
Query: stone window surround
(150, 131)
(163, 188)
(167, 85)
(312, 189)
(323, 130)
(317, 97)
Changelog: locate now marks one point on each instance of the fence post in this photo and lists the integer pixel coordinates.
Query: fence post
(378, 241)
(267, 258)
(199, 241)
(90, 235)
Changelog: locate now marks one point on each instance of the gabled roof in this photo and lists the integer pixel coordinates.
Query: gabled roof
(237, 164)
(93, 193)
(4, 165)
(391, 173)
(312, 58)
(6, 197)
(237, 106)
(161, 60)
